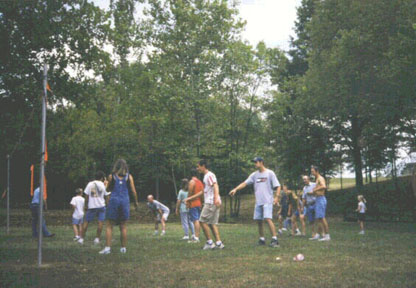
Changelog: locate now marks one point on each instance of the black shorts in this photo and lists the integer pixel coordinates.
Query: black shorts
(361, 216)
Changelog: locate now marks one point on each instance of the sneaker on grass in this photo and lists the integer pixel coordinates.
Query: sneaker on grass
(261, 242)
(123, 250)
(274, 243)
(209, 246)
(96, 241)
(316, 237)
(219, 247)
(105, 251)
(325, 238)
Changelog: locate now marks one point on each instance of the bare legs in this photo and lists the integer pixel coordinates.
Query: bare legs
(270, 223)
(197, 228)
(109, 233)
(77, 230)
(206, 228)
(302, 222)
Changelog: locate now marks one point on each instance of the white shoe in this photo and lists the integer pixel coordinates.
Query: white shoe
(163, 233)
(96, 241)
(123, 250)
(156, 233)
(209, 246)
(316, 237)
(284, 229)
(325, 238)
(362, 232)
(105, 251)
(76, 238)
(194, 241)
(185, 238)
(280, 232)
(80, 241)
(298, 233)
(221, 246)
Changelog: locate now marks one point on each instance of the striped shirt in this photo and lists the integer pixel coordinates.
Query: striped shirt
(209, 181)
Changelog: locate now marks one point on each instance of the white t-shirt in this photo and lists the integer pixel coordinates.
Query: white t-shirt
(264, 184)
(209, 180)
(362, 207)
(78, 202)
(96, 192)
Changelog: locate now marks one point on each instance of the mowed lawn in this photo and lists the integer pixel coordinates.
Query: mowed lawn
(384, 257)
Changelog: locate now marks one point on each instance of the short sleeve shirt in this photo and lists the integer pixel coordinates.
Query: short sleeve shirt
(182, 195)
(292, 199)
(156, 205)
(96, 192)
(264, 184)
(79, 203)
(209, 181)
(362, 207)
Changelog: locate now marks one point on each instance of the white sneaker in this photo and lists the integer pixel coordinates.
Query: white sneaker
(362, 232)
(163, 233)
(81, 241)
(325, 238)
(298, 233)
(105, 251)
(209, 246)
(123, 250)
(221, 246)
(96, 241)
(156, 233)
(185, 238)
(76, 238)
(284, 229)
(280, 231)
(316, 237)
(194, 241)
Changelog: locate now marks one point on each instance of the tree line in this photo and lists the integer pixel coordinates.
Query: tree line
(164, 83)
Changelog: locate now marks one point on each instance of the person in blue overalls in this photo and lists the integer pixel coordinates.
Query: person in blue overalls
(118, 210)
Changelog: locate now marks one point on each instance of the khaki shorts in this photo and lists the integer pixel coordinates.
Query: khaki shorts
(210, 214)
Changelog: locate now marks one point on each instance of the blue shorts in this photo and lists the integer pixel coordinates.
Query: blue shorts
(303, 212)
(262, 212)
(91, 213)
(310, 212)
(118, 209)
(194, 213)
(320, 207)
(76, 221)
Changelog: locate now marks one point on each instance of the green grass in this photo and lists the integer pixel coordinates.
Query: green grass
(384, 257)
(335, 183)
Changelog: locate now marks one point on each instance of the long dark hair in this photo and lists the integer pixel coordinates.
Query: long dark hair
(120, 168)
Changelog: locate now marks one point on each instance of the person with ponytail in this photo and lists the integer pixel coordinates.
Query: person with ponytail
(361, 209)
(118, 210)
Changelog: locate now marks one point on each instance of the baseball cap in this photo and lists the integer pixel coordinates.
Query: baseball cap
(258, 159)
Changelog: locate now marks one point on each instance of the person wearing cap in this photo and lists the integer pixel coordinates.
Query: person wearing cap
(265, 183)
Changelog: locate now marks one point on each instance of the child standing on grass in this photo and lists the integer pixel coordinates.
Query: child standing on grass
(183, 211)
(361, 209)
(77, 203)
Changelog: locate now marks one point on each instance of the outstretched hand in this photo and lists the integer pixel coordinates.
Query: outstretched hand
(232, 192)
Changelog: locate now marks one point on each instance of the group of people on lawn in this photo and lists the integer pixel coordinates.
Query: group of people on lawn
(114, 207)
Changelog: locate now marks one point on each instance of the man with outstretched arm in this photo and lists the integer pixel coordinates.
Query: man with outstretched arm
(265, 183)
(212, 203)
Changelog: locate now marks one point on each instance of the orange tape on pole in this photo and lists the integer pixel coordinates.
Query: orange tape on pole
(32, 172)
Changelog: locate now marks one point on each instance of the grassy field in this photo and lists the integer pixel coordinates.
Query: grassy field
(384, 257)
(335, 183)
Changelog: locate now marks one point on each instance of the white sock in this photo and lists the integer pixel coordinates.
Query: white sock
(107, 248)
(274, 237)
(196, 238)
(218, 243)
(210, 242)
(262, 239)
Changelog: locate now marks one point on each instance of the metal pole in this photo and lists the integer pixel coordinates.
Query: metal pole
(8, 195)
(42, 164)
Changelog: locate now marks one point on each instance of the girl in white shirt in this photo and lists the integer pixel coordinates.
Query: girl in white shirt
(361, 209)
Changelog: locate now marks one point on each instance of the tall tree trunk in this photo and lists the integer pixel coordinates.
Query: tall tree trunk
(356, 152)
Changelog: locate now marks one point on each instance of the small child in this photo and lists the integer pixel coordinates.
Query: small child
(361, 209)
(77, 203)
